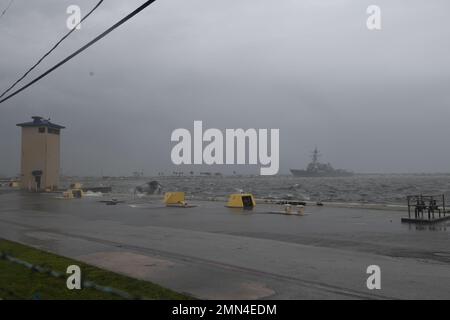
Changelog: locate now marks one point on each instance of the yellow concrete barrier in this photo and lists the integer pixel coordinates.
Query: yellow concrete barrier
(175, 199)
(67, 195)
(76, 185)
(74, 191)
(245, 201)
(14, 184)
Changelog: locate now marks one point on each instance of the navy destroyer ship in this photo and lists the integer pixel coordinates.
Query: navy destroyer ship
(318, 169)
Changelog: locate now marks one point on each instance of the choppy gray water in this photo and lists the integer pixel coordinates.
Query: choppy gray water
(384, 189)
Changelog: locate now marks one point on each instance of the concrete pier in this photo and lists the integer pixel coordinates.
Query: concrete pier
(211, 251)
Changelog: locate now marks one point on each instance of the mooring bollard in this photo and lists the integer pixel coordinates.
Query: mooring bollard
(288, 209)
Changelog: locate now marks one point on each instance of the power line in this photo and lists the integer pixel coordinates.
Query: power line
(99, 37)
(6, 9)
(51, 50)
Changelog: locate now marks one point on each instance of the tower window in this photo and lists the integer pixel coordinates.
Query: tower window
(42, 130)
(53, 131)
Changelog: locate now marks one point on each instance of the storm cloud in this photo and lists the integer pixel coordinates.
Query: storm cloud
(371, 101)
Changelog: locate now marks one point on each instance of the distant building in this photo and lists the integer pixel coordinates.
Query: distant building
(40, 154)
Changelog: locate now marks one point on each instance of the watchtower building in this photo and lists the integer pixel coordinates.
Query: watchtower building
(40, 158)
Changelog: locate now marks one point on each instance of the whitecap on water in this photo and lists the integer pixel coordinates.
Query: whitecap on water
(92, 194)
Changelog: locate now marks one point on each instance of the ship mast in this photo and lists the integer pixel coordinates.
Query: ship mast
(315, 156)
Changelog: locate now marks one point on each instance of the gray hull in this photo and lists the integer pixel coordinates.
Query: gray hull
(305, 173)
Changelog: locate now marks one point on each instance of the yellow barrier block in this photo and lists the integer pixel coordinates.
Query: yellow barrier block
(67, 195)
(73, 193)
(76, 185)
(245, 201)
(14, 184)
(174, 199)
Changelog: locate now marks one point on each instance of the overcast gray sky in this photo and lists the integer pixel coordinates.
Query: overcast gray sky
(372, 101)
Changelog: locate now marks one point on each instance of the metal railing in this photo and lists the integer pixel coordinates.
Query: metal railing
(429, 204)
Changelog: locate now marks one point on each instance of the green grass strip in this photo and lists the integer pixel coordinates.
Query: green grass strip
(18, 282)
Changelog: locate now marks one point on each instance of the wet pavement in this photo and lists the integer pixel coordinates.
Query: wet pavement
(214, 252)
